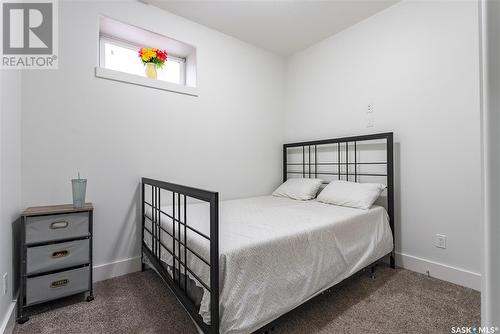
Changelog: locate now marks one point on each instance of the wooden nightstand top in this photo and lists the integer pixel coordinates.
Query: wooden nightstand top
(55, 209)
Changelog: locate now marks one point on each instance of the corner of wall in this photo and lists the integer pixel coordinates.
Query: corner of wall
(10, 187)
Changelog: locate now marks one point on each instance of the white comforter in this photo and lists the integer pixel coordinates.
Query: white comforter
(276, 253)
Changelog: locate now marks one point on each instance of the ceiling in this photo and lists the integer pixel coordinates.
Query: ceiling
(280, 26)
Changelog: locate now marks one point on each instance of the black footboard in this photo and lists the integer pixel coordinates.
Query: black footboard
(329, 159)
(180, 275)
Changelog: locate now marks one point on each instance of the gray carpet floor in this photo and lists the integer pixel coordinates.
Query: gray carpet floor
(397, 301)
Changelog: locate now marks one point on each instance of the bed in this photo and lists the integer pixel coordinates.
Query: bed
(238, 265)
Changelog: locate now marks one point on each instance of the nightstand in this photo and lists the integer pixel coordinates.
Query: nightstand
(56, 255)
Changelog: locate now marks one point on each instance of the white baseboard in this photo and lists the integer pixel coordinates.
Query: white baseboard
(116, 268)
(7, 325)
(441, 271)
(438, 270)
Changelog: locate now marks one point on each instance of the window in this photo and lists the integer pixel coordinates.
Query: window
(123, 56)
(119, 45)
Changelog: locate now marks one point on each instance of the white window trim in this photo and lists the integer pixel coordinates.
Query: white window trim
(132, 46)
(105, 73)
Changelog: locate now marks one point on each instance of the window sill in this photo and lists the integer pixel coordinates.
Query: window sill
(105, 73)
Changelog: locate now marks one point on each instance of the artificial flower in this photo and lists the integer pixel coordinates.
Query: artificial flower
(153, 55)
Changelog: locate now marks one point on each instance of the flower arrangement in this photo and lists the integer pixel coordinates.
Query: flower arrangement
(153, 55)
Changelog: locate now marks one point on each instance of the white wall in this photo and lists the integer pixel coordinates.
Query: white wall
(418, 63)
(228, 139)
(10, 182)
(490, 301)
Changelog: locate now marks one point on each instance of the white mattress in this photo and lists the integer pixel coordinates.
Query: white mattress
(276, 253)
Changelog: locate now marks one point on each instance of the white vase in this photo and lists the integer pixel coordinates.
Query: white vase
(151, 71)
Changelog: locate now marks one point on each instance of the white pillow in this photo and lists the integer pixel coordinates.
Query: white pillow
(352, 194)
(301, 189)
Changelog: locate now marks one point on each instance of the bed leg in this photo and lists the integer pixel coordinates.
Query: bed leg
(372, 271)
(393, 262)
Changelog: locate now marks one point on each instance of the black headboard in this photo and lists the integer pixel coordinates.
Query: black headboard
(342, 165)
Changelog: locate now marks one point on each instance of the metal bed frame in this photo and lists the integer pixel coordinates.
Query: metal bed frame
(177, 282)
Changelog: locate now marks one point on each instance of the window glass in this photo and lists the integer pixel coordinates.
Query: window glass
(124, 58)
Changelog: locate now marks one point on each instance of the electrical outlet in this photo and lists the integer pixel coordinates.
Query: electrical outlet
(4, 284)
(440, 241)
(369, 123)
